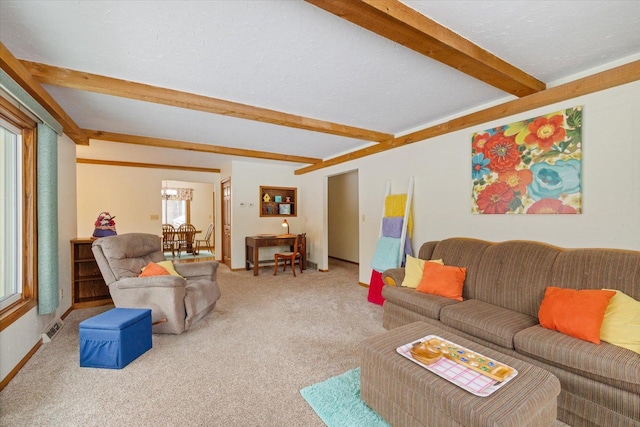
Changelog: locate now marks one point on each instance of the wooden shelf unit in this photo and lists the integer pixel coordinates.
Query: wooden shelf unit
(88, 288)
(273, 208)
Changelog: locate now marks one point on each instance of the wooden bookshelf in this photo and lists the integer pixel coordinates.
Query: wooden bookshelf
(88, 288)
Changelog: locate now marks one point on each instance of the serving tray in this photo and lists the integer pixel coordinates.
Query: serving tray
(468, 369)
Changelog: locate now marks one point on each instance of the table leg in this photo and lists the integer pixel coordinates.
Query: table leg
(256, 266)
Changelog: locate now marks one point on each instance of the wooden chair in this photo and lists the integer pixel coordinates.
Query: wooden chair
(169, 239)
(186, 236)
(292, 257)
(206, 240)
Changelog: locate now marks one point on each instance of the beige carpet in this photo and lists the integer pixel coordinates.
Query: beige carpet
(243, 365)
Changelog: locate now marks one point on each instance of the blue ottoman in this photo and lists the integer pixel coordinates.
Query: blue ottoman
(115, 338)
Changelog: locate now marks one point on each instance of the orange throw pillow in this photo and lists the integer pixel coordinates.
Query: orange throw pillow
(577, 313)
(153, 269)
(443, 280)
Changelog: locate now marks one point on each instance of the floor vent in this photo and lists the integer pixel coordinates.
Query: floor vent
(312, 265)
(52, 331)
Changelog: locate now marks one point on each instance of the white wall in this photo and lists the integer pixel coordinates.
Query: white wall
(247, 177)
(21, 336)
(133, 196)
(343, 217)
(442, 202)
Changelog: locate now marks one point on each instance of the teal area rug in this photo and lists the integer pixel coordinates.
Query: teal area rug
(337, 402)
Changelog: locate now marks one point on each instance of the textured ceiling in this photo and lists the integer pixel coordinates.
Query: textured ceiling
(293, 57)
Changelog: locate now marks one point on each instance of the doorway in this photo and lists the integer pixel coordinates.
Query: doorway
(225, 192)
(343, 217)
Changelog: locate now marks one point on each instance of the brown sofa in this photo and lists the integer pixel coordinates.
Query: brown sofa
(503, 289)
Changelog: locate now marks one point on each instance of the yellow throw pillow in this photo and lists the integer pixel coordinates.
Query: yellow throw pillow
(413, 270)
(621, 323)
(168, 265)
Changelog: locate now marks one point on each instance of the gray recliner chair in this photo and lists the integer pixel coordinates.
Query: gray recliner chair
(182, 301)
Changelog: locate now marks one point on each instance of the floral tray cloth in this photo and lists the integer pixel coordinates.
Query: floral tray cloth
(463, 367)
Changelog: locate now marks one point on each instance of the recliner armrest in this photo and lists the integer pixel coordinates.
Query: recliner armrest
(150, 282)
(198, 270)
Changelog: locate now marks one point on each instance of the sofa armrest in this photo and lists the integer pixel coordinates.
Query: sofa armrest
(150, 282)
(198, 270)
(393, 276)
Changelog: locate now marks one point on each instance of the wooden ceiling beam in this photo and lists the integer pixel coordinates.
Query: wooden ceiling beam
(400, 23)
(19, 73)
(145, 165)
(618, 76)
(73, 79)
(192, 146)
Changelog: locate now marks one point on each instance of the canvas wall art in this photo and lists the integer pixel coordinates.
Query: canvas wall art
(529, 167)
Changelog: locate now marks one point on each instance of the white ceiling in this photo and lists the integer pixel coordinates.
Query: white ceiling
(293, 57)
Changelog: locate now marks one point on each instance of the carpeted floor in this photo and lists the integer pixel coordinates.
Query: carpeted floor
(337, 402)
(243, 365)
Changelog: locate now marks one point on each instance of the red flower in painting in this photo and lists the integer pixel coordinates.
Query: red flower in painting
(546, 132)
(502, 151)
(495, 198)
(517, 180)
(550, 206)
(479, 140)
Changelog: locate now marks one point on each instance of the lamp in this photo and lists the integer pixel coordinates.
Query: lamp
(286, 224)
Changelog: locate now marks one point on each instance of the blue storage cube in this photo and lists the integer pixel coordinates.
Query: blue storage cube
(115, 338)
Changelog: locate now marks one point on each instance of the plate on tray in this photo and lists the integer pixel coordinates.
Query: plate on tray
(468, 369)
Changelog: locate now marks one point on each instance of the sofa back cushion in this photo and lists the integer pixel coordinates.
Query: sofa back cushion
(598, 269)
(462, 252)
(515, 274)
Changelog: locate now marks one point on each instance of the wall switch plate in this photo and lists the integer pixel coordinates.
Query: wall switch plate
(154, 217)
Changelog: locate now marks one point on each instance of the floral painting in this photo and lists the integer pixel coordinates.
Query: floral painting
(529, 167)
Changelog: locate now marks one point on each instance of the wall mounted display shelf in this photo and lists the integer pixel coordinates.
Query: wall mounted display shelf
(278, 201)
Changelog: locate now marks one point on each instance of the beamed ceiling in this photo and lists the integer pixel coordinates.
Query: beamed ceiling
(195, 84)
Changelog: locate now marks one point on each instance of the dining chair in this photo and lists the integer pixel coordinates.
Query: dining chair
(186, 236)
(206, 240)
(169, 239)
(292, 257)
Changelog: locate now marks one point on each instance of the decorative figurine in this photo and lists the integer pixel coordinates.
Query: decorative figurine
(104, 225)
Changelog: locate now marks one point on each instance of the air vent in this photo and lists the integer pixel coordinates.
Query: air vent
(312, 265)
(52, 330)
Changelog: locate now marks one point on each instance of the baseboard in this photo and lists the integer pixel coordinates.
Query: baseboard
(364, 285)
(19, 366)
(345, 260)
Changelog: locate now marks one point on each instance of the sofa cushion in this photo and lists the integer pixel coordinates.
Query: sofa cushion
(425, 304)
(462, 252)
(487, 321)
(515, 274)
(578, 313)
(605, 363)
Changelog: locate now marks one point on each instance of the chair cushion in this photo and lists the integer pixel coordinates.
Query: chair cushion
(487, 321)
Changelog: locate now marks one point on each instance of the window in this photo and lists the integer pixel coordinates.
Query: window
(174, 212)
(10, 213)
(17, 213)
(176, 205)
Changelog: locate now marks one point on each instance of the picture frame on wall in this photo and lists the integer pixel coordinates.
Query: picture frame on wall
(285, 209)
